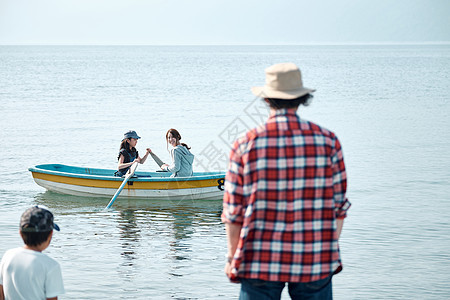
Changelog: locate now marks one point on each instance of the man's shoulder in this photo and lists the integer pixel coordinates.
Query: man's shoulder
(242, 142)
(313, 128)
(305, 126)
(252, 134)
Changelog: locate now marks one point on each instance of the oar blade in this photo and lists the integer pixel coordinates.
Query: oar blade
(156, 159)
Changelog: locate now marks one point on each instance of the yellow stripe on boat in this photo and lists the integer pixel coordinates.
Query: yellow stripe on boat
(141, 185)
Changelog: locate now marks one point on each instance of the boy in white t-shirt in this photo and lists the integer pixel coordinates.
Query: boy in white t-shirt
(26, 272)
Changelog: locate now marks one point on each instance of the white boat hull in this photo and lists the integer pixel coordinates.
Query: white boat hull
(202, 193)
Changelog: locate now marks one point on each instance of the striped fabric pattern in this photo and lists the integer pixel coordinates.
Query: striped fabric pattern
(286, 185)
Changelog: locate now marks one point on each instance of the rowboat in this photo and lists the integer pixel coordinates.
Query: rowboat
(93, 182)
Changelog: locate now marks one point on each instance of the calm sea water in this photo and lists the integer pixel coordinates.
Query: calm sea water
(389, 105)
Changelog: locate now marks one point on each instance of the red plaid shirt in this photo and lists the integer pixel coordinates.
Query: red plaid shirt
(286, 186)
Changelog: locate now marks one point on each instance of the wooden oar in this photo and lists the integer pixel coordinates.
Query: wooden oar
(156, 159)
(127, 176)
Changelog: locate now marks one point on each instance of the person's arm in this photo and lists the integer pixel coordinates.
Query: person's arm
(340, 224)
(54, 285)
(233, 235)
(176, 164)
(233, 209)
(142, 160)
(339, 184)
(2, 295)
(122, 165)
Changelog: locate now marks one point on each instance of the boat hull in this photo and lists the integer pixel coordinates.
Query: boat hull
(148, 185)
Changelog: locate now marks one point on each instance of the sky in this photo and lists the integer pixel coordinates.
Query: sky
(222, 22)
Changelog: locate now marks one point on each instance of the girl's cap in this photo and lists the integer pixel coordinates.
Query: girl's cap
(131, 134)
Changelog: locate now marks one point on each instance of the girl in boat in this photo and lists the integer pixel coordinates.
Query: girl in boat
(128, 153)
(182, 158)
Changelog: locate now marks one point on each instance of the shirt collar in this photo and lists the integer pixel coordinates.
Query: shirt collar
(283, 119)
(283, 112)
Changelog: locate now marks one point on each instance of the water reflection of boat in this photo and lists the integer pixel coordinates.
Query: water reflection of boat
(92, 182)
(129, 235)
(169, 238)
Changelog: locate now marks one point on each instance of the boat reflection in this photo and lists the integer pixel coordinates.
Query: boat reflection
(151, 233)
(129, 235)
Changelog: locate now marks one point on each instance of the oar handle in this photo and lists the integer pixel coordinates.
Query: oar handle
(127, 177)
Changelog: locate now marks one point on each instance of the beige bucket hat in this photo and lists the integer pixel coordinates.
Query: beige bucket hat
(283, 81)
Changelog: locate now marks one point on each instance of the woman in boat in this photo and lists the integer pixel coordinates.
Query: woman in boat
(182, 158)
(128, 153)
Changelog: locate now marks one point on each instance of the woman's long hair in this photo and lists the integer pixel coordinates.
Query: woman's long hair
(125, 145)
(177, 136)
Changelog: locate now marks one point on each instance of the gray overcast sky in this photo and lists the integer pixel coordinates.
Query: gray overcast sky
(177, 22)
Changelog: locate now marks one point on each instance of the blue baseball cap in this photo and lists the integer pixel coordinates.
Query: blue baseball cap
(131, 134)
(37, 219)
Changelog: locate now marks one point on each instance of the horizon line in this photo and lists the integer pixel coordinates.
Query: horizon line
(254, 44)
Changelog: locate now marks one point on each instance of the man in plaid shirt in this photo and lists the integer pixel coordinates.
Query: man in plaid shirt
(284, 203)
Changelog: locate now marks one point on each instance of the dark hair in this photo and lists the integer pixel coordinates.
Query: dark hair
(125, 145)
(294, 103)
(34, 238)
(176, 135)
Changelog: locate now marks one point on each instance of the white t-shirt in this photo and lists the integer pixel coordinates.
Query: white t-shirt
(27, 274)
